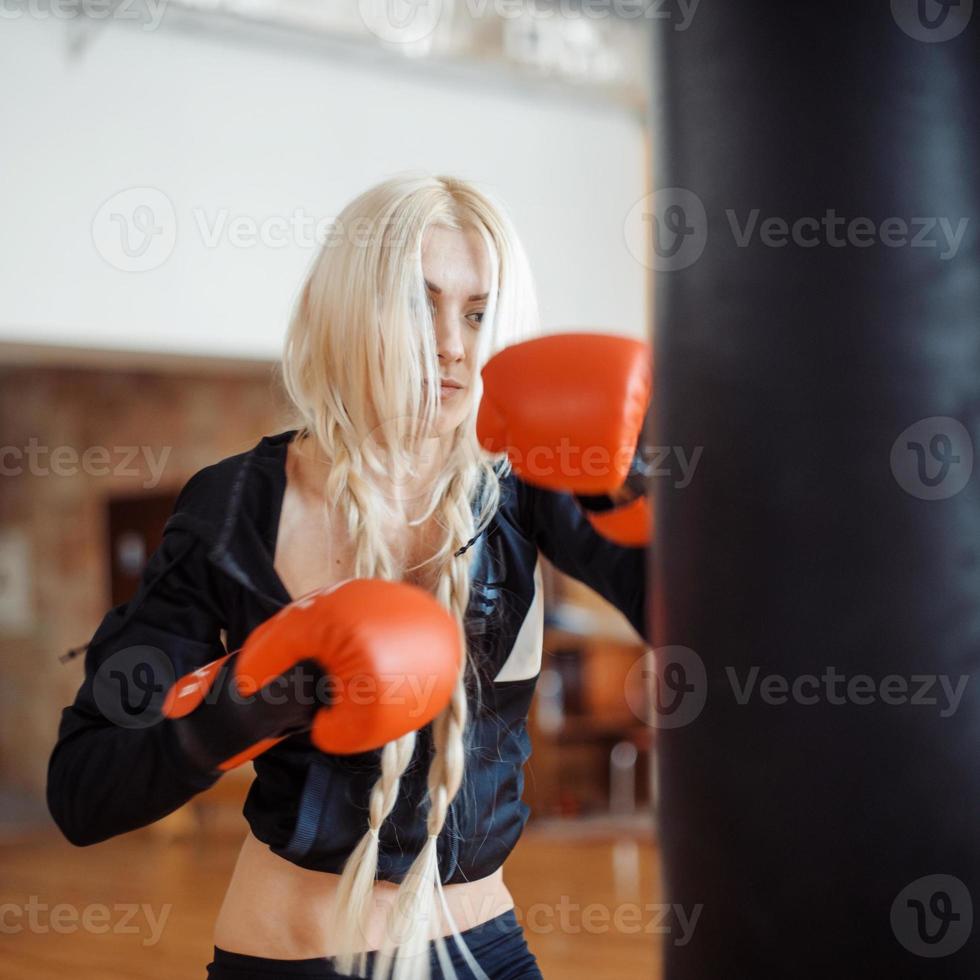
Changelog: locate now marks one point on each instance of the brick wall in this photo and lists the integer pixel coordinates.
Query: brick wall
(53, 510)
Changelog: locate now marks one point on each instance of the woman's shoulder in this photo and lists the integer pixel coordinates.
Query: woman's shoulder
(218, 489)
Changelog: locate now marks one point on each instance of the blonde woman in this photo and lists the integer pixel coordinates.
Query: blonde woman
(389, 861)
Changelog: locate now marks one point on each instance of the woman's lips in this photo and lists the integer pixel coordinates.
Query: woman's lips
(449, 388)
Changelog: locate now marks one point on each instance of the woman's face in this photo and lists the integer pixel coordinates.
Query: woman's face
(457, 280)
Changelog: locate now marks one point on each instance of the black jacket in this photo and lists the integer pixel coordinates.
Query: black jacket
(214, 572)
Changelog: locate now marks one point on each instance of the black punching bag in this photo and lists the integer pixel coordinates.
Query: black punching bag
(816, 234)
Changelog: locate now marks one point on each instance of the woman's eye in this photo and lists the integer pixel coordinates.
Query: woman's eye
(476, 317)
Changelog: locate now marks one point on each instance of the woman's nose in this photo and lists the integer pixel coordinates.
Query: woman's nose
(449, 340)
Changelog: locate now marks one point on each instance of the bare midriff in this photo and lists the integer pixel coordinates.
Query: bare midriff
(278, 910)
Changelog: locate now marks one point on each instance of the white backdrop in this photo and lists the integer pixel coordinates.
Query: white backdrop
(220, 129)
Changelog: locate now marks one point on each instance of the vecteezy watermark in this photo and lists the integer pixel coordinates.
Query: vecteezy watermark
(569, 461)
(668, 919)
(668, 230)
(551, 465)
(836, 231)
(657, 462)
(932, 459)
(932, 21)
(298, 229)
(122, 918)
(116, 461)
(404, 22)
(413, 22)
(149, 13)
(668, 688)
(131, 687)
(597, 918)
(933, 916)
(136, 229)
(679, 12)
(836, 688)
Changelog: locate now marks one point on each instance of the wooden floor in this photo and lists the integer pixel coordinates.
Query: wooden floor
(142, 907)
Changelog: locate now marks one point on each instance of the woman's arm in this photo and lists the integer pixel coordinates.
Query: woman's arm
(568, 410)
(566, 537)
(117, 764)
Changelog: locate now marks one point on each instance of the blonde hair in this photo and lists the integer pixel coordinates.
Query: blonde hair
(360, 366)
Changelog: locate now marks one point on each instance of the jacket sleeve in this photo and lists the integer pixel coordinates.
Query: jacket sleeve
(568, 540)
(117, 764)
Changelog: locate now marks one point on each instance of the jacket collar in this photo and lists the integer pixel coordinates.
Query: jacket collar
(237, 517)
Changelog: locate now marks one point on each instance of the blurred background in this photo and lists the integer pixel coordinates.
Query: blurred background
(166, 170)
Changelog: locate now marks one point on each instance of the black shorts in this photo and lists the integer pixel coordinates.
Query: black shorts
(498, 945)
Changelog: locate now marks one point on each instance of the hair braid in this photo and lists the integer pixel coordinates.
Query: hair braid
(359, 363)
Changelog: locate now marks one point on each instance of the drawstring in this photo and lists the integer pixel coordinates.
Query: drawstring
(469, 544)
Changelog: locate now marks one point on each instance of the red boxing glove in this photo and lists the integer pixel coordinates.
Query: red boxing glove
(568, 409)
(383, 658)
